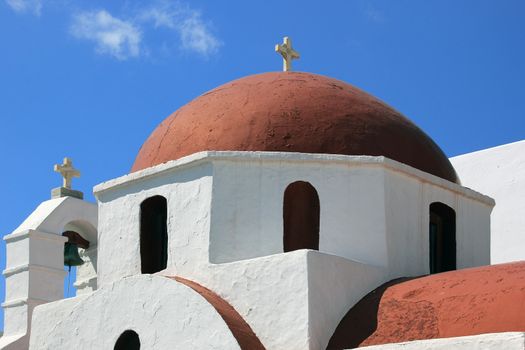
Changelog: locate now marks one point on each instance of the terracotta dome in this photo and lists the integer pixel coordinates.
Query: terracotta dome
(488, 299)
(292, 112)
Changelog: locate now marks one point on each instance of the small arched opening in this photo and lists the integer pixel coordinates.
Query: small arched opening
(301, 212)
(129, 340)
(153, 234)
(80, 255)
(442, 238)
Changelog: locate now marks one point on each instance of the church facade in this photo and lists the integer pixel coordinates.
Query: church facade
(279, 211)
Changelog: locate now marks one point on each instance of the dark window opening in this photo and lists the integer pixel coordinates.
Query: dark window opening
(153, 234)
(301, 217)
(442, 238)
(129, 340)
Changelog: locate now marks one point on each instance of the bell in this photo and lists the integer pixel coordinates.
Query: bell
(71, 256)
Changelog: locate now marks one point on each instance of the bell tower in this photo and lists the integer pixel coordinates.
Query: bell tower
(34, 272)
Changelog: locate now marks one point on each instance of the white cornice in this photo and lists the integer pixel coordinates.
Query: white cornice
(290, 157)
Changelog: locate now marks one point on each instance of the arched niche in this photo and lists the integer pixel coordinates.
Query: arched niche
(301, 210)
(129, 340)
(153, 234)
(442, 238)
(86, 274)
(84, 228)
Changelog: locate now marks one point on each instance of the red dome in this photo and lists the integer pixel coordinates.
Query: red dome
(489, 299)
(292, 112)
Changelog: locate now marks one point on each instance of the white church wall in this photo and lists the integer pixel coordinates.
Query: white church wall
(359, 197)
(245, 219)
(354, 214)
(86, 280)
(305, 292)
(490, 341)
(225, 232)
(473, 233)
(18, 287)
(335, 285)
(18, 253)
(404, 225)
(408, 200)
(188, 194)
(246, 211)
(164, 313)
(16, 312)
(472, 222)
(500, 173)
(247, 205)
(270, 293)
(34, 278)
(13, 339)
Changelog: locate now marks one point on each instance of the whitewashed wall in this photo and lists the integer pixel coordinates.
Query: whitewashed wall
(225, 231)
(188, 195)
(500, 173)
(408, 200)
(247, 207)
(164, 313)
(372, 211)
(227, 206)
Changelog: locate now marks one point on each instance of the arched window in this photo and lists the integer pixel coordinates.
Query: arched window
(442, 238)
(153, 234)
(129, 340)
(301, 217)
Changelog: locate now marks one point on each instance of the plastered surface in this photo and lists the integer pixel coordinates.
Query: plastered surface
(500, 173)
(165, 314)
(225, 232)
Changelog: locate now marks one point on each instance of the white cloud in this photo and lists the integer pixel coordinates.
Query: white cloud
(113, 36)
(195, 34)
(374, 15)
(23, 6)
(122, 37)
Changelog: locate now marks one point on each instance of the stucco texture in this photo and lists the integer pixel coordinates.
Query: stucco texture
(503, 170)
(164, 313)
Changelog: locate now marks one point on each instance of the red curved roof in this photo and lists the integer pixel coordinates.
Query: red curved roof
(292, 112)
(488, 299)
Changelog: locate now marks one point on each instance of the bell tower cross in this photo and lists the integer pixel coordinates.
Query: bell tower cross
(67, 171)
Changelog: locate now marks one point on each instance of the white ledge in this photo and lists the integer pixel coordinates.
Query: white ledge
(245, 156)
(16, 236)
(26, 267)
(24, 301)
(85, 282)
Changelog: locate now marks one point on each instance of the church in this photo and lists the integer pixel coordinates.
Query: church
(283, 210)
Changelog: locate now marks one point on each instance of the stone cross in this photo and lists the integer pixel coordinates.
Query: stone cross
(67, 171)
(287, 52)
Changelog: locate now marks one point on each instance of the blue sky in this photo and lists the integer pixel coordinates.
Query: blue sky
(91, 79)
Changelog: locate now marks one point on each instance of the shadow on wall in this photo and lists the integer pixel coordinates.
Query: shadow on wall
(361, 321)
